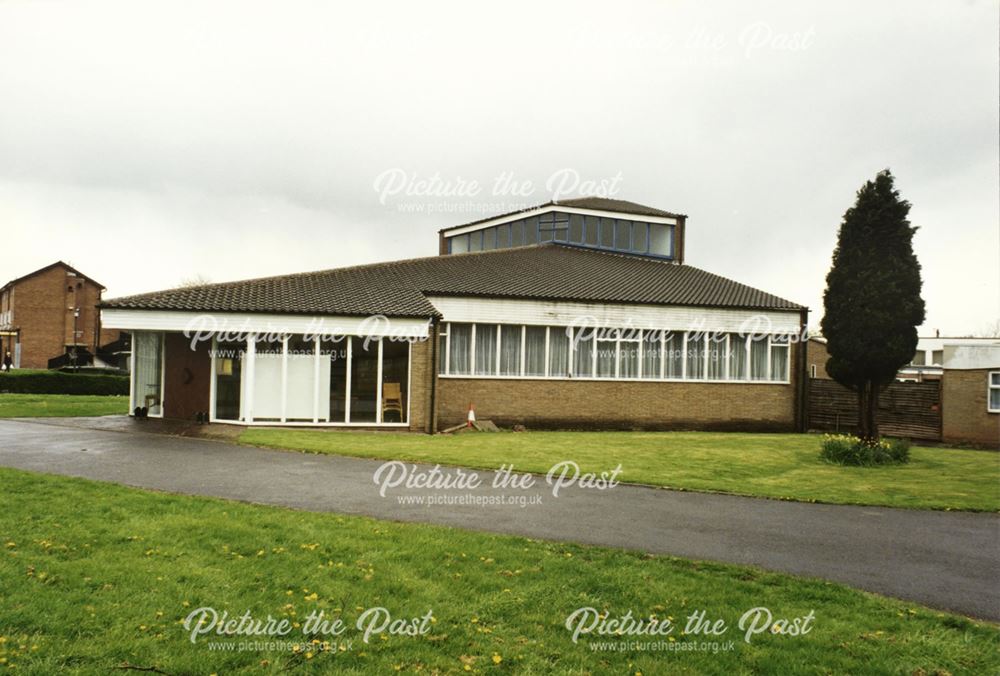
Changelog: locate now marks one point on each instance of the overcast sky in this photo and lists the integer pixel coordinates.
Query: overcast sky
(150, 143)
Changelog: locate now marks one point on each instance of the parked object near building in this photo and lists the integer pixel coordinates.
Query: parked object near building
(51, 314)
(577, 313)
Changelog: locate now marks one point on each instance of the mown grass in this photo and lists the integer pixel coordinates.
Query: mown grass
(95, 577)
(61, 405)
(785, 466)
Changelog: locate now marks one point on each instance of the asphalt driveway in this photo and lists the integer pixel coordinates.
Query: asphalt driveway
(947, 560)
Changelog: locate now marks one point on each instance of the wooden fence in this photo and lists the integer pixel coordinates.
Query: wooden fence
(911, 410)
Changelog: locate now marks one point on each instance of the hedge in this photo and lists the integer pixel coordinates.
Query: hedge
(55, 382)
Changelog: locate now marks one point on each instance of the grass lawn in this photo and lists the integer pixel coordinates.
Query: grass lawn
(62, 405)
(785, 466)
(95, 577)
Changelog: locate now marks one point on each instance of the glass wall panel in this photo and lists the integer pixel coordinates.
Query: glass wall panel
(534, 351)
(476, 240)
(531, 230)
(229, 360)
(608, 233)
(517, 233)
(395, 380)
(779, 362)
(333, 380)
(673, 354)
(486, 349)
(628, 355)
(717, 356)
(510, 350)
(651, 354)
(301, 387)
(364, 380)
(592, 237)
(623, 235)
(583, 356)
(461, 342)
(558, 352)
(576, 228)
(661, 239)
(267, 369)
(737, 357)
(459, 243)
(758, 357)
(503, 236)
(696, 355)
(607, 353)
(489, 239)
(639, 237)
(148, 371)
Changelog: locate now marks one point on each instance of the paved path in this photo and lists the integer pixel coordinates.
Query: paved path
(947, 560)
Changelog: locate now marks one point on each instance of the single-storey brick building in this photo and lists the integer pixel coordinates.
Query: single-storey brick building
(578, 313)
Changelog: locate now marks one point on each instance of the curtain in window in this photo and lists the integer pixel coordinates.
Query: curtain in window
(558, 352)
(628, 354)
(673, 354)
(716, 356)
(148, 355)
(486, 349)
(534, 351)
(695, 355)
(461, 339)
(779, 362)
(583, 355)
(607, 353)
(758, 357)
(510, 350)
(737, 357)
(651, 354)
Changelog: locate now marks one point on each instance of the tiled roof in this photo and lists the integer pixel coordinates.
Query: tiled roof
(595, 203)
(400, 288)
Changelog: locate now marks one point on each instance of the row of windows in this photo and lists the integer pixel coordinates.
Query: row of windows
(655, 239)
(509, 350)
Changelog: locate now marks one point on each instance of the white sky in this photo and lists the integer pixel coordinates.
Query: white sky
(149, 143)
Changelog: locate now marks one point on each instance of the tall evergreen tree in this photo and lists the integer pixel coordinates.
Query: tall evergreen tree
(872, 301)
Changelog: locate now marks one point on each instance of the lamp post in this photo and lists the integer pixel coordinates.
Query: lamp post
(76, 363)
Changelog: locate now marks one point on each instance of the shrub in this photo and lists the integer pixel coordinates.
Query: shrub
(844, 449)
(55, 382)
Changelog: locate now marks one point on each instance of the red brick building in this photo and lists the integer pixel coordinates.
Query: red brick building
(578, 313)
(40, 311)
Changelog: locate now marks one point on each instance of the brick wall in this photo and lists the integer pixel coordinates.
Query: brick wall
(816, 354)
(421, 382)
(964, 409)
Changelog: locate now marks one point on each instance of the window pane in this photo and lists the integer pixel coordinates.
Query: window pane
(608, 233)
(651, 354)
(576, 228)
(758, 357)
(696, 355)
(639, 237)
(737, 357)
(486, 349)
(333, 380)
(607, 353)
(228, 377)
(995, 399)
(622, 235)
(558, 352)
(489, 239)
(267, 380)
(545, 234)
(395, 379)
(476, 240)
(593, 226)
(442, 345)
(148, 369)
(716, 357)
(534, 351)
(510, 350)
(364, 379)
(531, 230)
(583, 356)
(460, 359)
(661, 239)
(503, 236)
(674, 355)
(517, 233)
(459, 244)
(779, 362)
(628, 355)
(995, 378)
(301, 390)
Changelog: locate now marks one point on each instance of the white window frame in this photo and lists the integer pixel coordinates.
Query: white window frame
(989, 390)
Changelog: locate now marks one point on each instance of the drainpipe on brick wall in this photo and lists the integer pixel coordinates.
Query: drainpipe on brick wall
(802, 385)
(435, 341)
